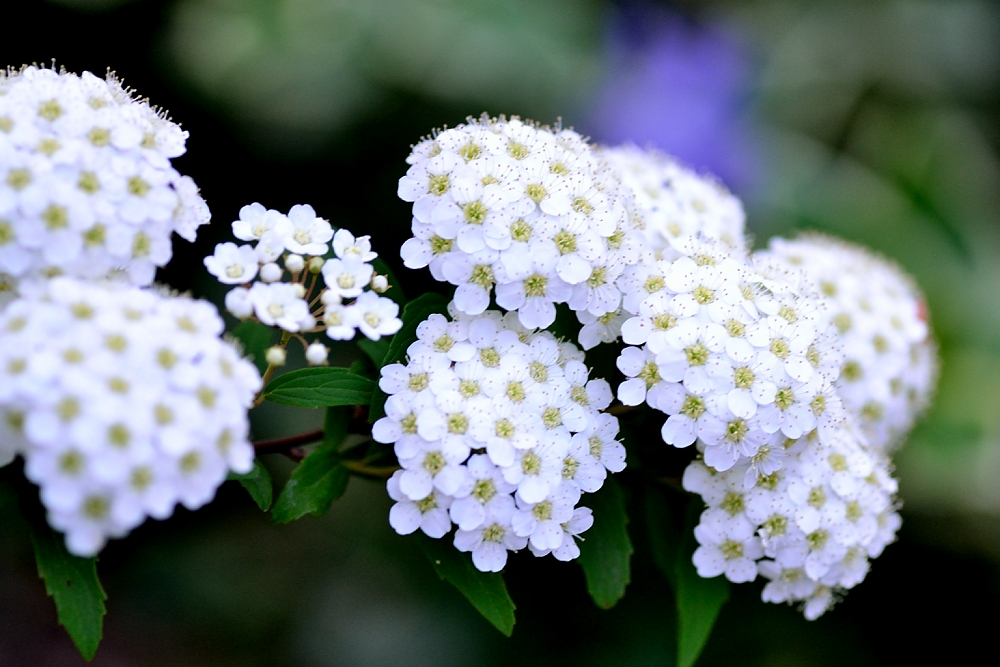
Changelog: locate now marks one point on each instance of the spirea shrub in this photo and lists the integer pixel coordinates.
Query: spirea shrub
(602, 333)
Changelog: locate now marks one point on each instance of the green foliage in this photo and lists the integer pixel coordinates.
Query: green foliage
(338, 59)
(255, 338)
(258, 484)
(320, 388)
(414, 313)
(699, 600)
(71, 581)
(485, 590)
(320, 478)
(606, 548)
(373, 349)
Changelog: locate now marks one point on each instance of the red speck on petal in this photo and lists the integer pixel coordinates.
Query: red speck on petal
(922, 310)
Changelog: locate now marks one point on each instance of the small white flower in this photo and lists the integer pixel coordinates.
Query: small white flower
(345, 245)
(490, 543)
(276, 304)
(255, 221)
(341, 321)
(270, 247)
(238, 303)
(429, 514)
(346, 277)
(376, 315)
(309, 235)
(726, 547)
(541, 522)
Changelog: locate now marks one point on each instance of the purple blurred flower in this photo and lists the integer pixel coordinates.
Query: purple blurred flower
(680, 87)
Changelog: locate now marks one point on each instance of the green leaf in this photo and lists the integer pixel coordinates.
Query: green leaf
(414, 313)
(71, 581)
(335, 425)
(255, 338)
(485, 590)
(258, 484)
(374, 349)
(320, 387)
(7, 494)
(664, 538)
(699, 600)
(319, 479)
(605, 549)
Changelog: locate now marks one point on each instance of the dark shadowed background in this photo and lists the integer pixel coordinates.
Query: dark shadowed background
(878, 121)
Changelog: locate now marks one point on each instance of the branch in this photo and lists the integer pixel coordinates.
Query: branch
(282, 445)
(361, 468)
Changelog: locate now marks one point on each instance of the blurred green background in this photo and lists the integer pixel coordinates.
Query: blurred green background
(877, 121)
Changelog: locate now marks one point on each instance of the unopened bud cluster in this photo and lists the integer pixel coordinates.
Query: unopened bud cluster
(86, 185)
(278, 277)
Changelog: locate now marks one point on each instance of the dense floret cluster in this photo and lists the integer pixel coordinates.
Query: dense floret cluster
(525, 212)
(811, 507)
(672, 201)
(86, 185)
(890, 360)
(791, 371)
(123, 402)
(673, 209)
(499, 430)
(278, 277)
(809, 527)
(733, 352)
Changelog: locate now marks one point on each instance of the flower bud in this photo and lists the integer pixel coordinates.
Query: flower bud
(380, 283)
(316, 354)
(275, 356)
(270, 273)
(300, 290)
(316, 264)
(238, 303)
(295, 263)
(330, 298)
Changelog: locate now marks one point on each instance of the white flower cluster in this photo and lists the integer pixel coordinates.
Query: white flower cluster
(528, 211)
(809, 528)
(812, 503)
(86, 185)
(295, 246)
(673, 208)
(123, 403)
(498, 430)
(890, 365)
(732, 351)
(745, 354)
(674, 201)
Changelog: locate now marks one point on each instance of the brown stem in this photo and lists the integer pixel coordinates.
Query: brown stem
(361, 468)
(620, 409)
(672, 482)
(281, 445)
